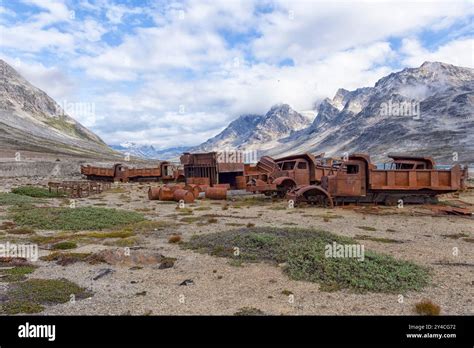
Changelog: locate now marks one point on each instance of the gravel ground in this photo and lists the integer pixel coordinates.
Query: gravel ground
(220, 288)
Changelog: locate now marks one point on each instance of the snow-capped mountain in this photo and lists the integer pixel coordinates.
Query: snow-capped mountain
(149, 151)
(419, 111)
(426, 110)
(31, 120)
(257, 131)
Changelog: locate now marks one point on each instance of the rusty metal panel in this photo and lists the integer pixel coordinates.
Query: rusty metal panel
(230, 167)
(241, 183)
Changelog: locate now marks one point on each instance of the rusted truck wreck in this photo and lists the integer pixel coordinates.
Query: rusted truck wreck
(405, 179)
(165, 171)
(280, 176)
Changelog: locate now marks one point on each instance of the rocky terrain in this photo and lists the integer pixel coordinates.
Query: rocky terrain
(254, 131)
(32, 121)
(146, 269)
(149, 151)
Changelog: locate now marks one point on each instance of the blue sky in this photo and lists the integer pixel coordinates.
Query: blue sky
(173, 73)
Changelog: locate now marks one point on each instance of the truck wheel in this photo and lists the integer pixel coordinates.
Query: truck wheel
(314, 195)
(391, 201)
(285, 187)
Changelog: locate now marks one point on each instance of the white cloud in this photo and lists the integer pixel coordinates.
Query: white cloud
(306, 30)
(458, 52)
(220, 59)
(58, 85)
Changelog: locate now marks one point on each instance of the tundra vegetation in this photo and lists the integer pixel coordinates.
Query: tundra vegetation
(302, 251)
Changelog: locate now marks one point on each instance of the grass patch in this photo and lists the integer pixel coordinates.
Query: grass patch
(303, 251)
(124, 242)
(30, 296)
(16, 274)
(234, 224)
(37, 239)
(37, 192)
(191, 219)
(235, 262)
(111, 234)
(469, 240)
(377, 239)
(277, 207)
(65, 259)
(184, 211)
(248, 311)
(64, 245)
(251, 201)
(203, 208)
(14, 199)
(455, 235)
(83, 218)
(21, 230)
(427, 307)
(367, 228)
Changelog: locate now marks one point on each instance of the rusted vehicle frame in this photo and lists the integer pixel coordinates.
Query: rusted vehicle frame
(410, 179)
(166, 172)
(282, 175)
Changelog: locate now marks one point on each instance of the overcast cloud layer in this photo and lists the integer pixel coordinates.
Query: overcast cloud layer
(173, 73)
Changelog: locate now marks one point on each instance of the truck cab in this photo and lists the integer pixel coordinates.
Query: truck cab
(350, 179)
(297, 169)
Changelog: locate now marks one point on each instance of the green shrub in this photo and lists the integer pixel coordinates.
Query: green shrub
(34, 191)
(83, 218)
(14, 199)
(64, 245)
(303, 253)
(30, 296)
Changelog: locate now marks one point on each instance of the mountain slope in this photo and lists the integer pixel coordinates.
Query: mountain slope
(254, 131)
(31, 120)
(149, 151)
(426, 110)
